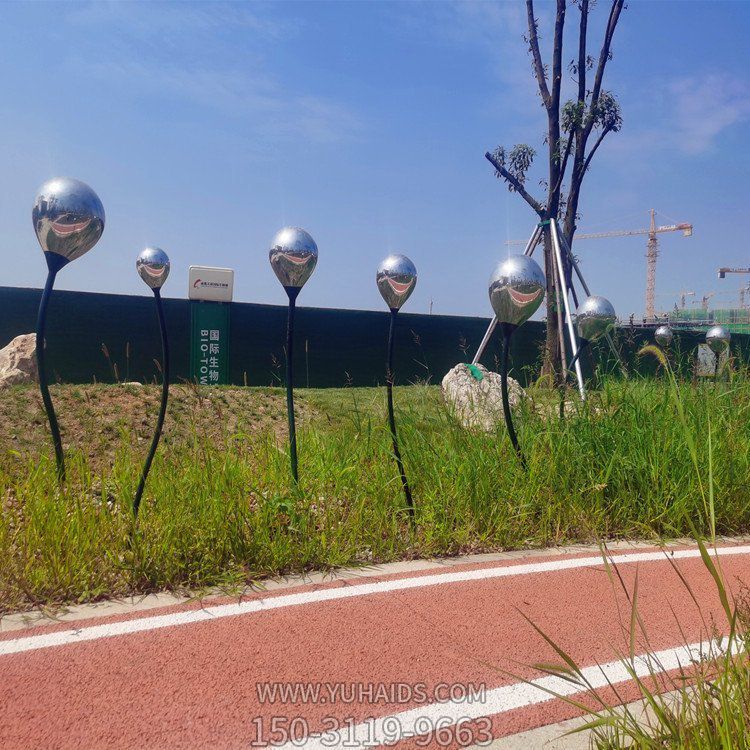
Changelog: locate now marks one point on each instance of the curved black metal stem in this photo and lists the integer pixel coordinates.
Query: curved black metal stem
(41, 324)
(583, 344)
(292, 293)
(507, 333)
(162, 408)
(392, 417)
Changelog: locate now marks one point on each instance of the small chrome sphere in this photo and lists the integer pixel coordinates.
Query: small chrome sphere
(293, 256)
(517, 287)
(595, 317)
(396, 278)
(153, 266)
(663, 335)
(718, 339)
(68, 217)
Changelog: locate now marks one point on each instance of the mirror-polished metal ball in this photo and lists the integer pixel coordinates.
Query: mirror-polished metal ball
(517, 287)
(68, 217)
(293, 256)
(718, 339)
(396, 278)
(663, 335)
(153, 266)
(595, 317)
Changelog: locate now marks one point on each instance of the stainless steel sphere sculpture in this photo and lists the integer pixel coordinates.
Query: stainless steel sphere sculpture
(396, 278)
(516, 288)
(718, 339)
(595, 317)
(68, 220)
(663, 336)
(152, 266)
(293, 256)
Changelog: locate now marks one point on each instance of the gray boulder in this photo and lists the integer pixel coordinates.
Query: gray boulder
(477, 402)
(18, 361)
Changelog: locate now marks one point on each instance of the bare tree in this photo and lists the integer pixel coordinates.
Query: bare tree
(574, 129)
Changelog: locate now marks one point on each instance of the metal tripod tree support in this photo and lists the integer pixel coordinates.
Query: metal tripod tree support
(561, 249)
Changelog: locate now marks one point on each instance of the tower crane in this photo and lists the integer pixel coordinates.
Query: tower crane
(704, 300)
(685, 293)
(682, 294)
(652, 250)
(722, 274)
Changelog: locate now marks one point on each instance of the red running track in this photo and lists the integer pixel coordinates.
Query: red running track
(390, 656)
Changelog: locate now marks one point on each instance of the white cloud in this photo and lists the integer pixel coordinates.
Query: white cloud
(496, 29)
(181, 51)
(704, 106)
(265, 107)
(164, 20)
(688, 115)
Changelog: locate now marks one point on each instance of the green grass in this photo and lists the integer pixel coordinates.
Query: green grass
(705, 704)
(220, 509)
(702, 705)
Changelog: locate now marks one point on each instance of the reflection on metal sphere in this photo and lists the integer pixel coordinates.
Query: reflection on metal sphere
(718, 339)
(517, 289)
(663, 335)
(595, 317)
(293, 256)
(153, 266)
(396, 279)
(68, 217)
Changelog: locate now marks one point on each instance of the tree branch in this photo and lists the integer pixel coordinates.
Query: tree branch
(594, 147)
(557, 49)
(541, 78)
(517, 186)
(614, 15)
(553, 111)
(564, 162)
(582, 51)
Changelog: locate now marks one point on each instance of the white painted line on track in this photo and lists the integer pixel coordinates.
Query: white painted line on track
(427, 719)
(173, 619)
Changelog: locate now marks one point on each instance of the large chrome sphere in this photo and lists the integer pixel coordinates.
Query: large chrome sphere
(396, 279)
(595, 317)
(293, 256)
(663, 335)
(68, 217)
(517, 289)
(718, 339)
(153, 266)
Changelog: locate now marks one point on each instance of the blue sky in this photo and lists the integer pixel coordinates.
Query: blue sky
(206, 127)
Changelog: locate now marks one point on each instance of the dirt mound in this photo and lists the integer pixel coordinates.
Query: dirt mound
(95, 418)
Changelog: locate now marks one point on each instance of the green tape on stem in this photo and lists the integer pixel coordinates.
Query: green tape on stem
(476, 373)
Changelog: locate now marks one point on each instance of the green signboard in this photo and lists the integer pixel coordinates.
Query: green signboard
(209, 343)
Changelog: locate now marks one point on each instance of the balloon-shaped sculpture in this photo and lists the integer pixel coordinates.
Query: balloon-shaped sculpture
(595, 317)
(68, 220)
(517, 289)
(293, 256)
(663, 336)
(153, 267)
(718, 339)
(396, 278)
